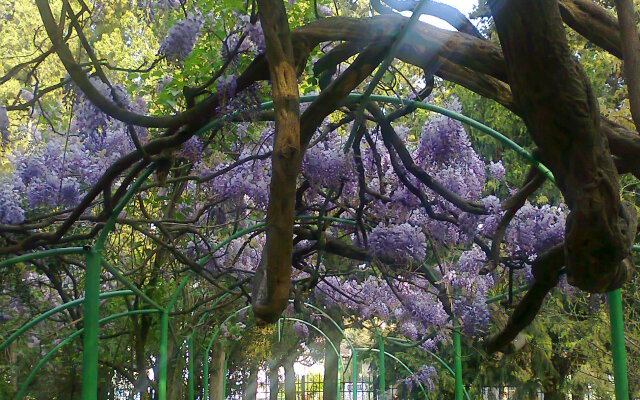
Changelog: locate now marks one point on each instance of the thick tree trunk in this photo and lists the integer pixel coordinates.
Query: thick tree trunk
(555, 100)
(289, 379)
(141, 332)
(105, 384)
(176, 388)
(552, 393)
(330, 386)
(216, 374)
(274, 383)
(273, 278)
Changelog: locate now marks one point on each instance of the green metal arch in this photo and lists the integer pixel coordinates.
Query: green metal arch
(56, 310)
(205, 385)
(354, 353)
(66, 341)
(326, 337)
(399, 362)
(89, 385)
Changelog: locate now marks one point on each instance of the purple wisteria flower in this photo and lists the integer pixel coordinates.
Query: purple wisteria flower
(398, 244)
(300, 330)
(191, 150)
(497, 171)
(11, 213)
(182, 36)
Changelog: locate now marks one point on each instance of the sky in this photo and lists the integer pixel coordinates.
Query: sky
(465, 6)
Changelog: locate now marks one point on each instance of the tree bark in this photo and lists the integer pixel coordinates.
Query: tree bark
(105, 385)
(289, 379)
(216, 376)
(273, 278)
(631, 51)
(558, 107)
(141, 332)
(274, 384)
(330, 385)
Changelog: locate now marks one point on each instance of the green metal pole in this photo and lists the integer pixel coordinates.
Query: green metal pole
(205, 378)
(66, 341)
(617, 345)
(339, 383)
(458, 365)
(162, 358)
(383, 394)
(403, 365)
(208, 348)
(190, 387)
(224, 376)
(55, 310)
(354, 365)
(90, 336)
(42, 254)
(118, 275)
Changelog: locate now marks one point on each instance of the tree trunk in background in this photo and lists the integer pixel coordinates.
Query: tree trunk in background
(141, 332)
(289, 379)
(105, 384)
(176, 388)
(67, 387)
(552, 393)
(251, 388)
(330, 386)
(273, 382)
(216, 374)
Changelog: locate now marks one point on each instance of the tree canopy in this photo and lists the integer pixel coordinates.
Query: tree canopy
(295, 159)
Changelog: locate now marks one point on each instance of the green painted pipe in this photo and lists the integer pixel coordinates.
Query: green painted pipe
(383, 384)
(354, 378)
(63, 251)
(118, 275)
(205, 385)
(617, 345)
(403, 365)
(457, 363)
(66, 341)
(162, 355)
(90, 336)
(224, 376)
(503, 296)
(56, 310)
(111, 221)
(164, 339)
(92, 293)
(205, 377)
(432, 354)
(190, 337)
(382, 69)
(335, 349)
(344, 335)
(190, 383)
(355, 97)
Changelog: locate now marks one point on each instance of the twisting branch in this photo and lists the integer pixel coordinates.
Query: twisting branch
(390, 135)
(445, 12)
(559, 108)
(533, 181)
(546, 272)
(272, 281)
